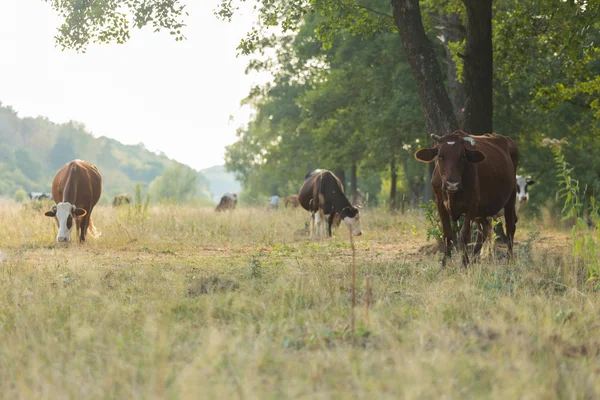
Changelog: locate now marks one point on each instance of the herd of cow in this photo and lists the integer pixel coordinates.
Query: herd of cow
(474, 177)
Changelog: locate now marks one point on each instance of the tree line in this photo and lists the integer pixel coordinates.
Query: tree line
(33, 149)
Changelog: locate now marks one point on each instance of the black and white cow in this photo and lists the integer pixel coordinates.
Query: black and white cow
(39, 196)
(323, 195)
(523, 182)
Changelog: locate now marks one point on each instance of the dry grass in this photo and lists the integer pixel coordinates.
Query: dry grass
(189, 303)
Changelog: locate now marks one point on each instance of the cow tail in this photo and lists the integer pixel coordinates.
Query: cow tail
(92, 229)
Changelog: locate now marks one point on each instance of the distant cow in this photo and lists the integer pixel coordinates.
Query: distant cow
(522, 194)
(474, 176)
(39, 196)
(292, 201)
(522, 198)
(358, 199)
(228, 202)
(274, 201)
(76, 189)
(121, 199)
(323, 195)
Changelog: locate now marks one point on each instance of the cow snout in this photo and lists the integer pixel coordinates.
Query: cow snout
(62, 239)
(452, 186)
(357, 233)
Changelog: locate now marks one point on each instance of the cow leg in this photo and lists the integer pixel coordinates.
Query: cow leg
(463, 241)
(448, 234)
(510, 216)
(499, 231)
(312, 225)
(78, 226)
(83, 226)
(330, 222)
(482, 234)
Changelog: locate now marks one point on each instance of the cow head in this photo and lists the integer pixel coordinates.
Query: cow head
(452, 153)
(522, 184)
(64, 214)
(351, 217)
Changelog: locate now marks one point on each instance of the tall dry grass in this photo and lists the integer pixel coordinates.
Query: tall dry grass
(189, 303)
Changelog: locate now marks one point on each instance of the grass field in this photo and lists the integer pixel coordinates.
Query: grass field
(191, 304)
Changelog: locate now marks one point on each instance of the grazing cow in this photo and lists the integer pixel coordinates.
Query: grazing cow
(121, 199)
(39, 196)
(474, 176)
(323, 195)
(228, 202)
(358, 199)
(291, 201)
(76, 189)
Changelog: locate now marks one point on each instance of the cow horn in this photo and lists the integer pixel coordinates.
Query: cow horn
(436, 137)
(470, 140)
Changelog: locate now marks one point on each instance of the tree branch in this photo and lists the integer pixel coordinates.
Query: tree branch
(375, 11)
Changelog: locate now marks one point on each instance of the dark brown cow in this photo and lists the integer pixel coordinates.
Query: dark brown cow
(292, 201)
(228, 202)
(76, 189)
(474, 176)
(323, 195)
(121, 199)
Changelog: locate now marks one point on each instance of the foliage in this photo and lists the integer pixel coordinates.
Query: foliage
(20, 196)
(104, 21)
(177, 184)
(140, 206)
(553, 94)
(586, 245)
(433, 228)
(342, 112)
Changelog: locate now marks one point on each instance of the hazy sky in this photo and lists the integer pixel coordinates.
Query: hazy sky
(175, 97)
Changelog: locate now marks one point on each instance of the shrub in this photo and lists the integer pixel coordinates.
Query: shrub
(20, 196)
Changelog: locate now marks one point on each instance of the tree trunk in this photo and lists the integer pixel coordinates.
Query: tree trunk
(434, 99)
(452, 30)
(394, 179)
(341, 174)
(353, 179)
(478, 67)
(428, 190)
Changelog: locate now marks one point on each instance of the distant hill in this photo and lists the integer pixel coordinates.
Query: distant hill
(33, 149)
(220, 181)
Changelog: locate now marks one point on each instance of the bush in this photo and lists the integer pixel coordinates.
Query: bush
(20, 196)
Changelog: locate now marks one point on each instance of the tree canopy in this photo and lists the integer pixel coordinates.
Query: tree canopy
(358, 84)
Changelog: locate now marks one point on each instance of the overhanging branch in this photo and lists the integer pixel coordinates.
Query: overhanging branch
(375, 11)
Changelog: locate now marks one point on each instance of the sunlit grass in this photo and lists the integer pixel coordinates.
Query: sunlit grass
(189, 303)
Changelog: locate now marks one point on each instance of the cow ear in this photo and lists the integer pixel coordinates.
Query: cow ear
(426, 155)
(79, 212)
(474, 156)
(51, 213)
(530, 182)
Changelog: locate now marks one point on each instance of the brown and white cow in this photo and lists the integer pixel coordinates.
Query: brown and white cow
(121, 199)
(228, 202)
(474, 176)
(76, 189)
(323, 195)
